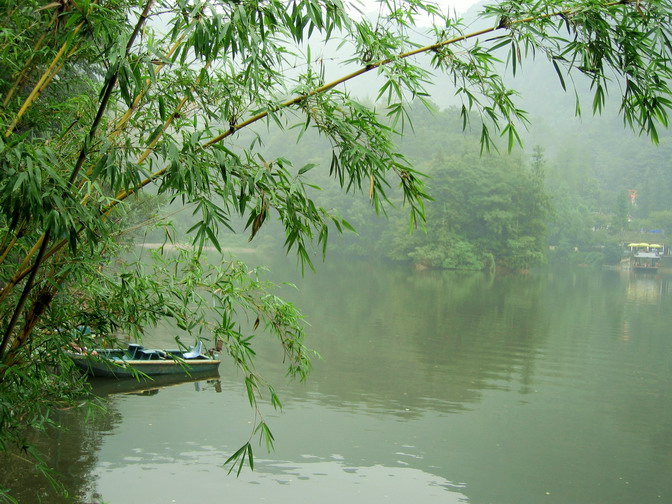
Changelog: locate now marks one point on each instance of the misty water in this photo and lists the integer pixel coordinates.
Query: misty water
(553, 387)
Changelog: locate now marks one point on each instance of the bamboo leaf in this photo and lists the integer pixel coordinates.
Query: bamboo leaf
(559, 74)
(307, 168)
(250, 456)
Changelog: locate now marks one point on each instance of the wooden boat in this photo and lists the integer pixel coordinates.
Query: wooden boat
(136, 361)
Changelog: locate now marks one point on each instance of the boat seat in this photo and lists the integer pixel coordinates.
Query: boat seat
(133, 351)
(148, 355)
(195, 352)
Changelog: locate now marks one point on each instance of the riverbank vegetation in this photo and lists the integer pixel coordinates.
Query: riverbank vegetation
(112, 109)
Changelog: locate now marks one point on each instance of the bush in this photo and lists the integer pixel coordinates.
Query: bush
(461, 255)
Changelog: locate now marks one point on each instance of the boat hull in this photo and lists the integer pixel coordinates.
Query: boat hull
(101, 366)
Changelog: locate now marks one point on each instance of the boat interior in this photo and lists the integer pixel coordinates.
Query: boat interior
(138, 352)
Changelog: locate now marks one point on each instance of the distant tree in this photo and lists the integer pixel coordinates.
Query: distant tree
(538, 163)
(496, 204)
(613, 252)
(621, 212)
(102, 102)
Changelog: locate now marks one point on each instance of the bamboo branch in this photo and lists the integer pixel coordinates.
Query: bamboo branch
(24, 71)
(40, 304)
(24, 269)
(24, 295)
(136, 102)
(6, 250)
(121, 196)
(298, 99)
(27, 68)
(45, 83)
(326, 87)
(47, 76)
(378, 64)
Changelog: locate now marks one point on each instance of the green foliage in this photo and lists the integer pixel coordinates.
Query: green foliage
(104, 102)
(621, 212)
(462, 256)
(484, 206)
(462, 186)
(613, 252)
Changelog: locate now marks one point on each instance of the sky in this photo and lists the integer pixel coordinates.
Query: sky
(460, 6)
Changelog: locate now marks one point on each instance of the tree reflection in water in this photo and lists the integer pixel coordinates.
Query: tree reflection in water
(71, 449)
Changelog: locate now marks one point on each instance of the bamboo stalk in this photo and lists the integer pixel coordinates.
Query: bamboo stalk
(39, 92)
(7, 249)
(169, 121)
(21, 271)
(24, 71)
(40, 304)
(134, 106)
(117, 130)
(24, 295)
(378, 64)
(46, 77)
(26, 68)
(106, 96)
(136, 102)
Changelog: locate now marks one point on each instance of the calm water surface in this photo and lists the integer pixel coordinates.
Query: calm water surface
(433, 387)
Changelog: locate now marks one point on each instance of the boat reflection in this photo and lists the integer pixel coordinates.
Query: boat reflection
(644, 288)
(147, 386)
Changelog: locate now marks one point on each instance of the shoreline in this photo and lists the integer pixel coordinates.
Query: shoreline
(184, 246)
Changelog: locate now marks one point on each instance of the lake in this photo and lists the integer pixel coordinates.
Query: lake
(553, 387)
